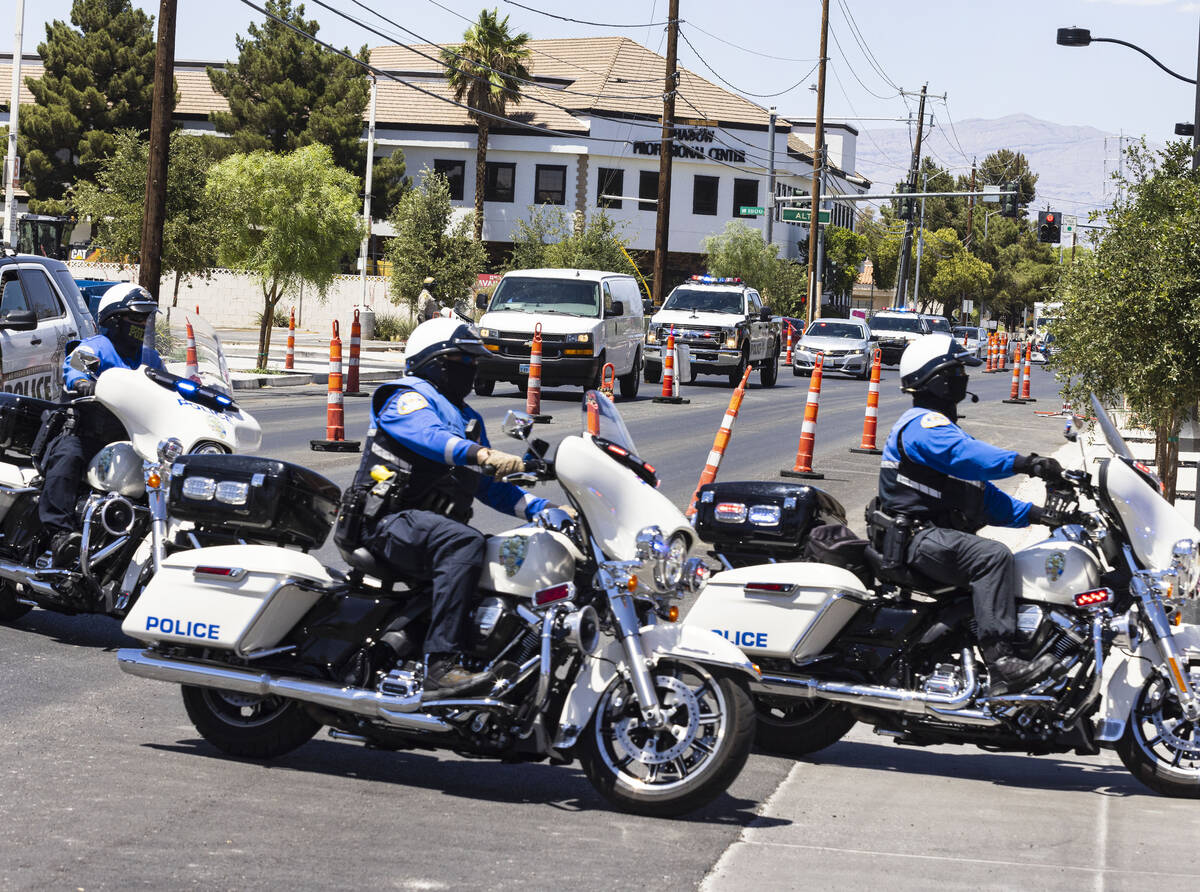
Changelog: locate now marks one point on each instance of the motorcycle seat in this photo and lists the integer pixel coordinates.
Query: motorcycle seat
(905, 577)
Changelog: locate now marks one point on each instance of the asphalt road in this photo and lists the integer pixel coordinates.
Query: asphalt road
(106, 785)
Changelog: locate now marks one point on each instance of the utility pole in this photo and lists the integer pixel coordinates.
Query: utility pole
(661, 231)
(10, 161)
(971, 208)
(920, 242)
(814, 271)
(906, 246)
(771, 177)
(150, 273)
(366, 242)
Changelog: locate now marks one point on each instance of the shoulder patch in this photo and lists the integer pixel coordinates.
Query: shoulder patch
(934, 419)
(410, 401)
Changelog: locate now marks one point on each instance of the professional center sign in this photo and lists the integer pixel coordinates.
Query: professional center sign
(680, 136)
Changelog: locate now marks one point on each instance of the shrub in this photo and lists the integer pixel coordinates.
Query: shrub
(279, 319)
(393, 328)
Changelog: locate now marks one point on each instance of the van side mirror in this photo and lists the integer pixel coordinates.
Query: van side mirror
(481, 301)
(617, 308)
(19, 320)
(765, 314)
(647, 307)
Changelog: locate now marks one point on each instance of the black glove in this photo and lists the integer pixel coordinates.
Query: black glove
(1047, 516)
(1037, 466)
(84, 387)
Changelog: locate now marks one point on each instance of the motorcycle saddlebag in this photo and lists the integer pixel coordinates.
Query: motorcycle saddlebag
(749, 520)
(20, 421)
(263, 499)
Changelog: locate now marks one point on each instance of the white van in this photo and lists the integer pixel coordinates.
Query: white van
(588, 318)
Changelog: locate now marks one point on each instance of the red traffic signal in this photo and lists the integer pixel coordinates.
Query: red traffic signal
(1050, 218)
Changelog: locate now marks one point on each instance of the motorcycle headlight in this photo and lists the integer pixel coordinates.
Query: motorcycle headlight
(1185, 564)
(670, 570)
(650, 543)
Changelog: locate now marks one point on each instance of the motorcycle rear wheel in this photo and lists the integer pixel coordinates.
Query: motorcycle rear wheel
(10, 608)
(1160, 747)
(248, 726)
(706, 741)
(797, 728)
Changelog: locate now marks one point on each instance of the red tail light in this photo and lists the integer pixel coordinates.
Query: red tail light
(1093, 598)
(222, 572)
(771, 588)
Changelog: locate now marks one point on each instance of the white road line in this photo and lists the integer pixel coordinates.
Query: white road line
(1102, 842)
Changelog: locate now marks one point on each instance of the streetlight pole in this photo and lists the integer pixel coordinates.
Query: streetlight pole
(814, 270)
(10, 161)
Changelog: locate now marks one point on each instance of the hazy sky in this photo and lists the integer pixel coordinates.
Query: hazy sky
(990, 58)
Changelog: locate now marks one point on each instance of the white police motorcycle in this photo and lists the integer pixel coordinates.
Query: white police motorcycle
(1104, 594)
(577, 620)
(153, 417)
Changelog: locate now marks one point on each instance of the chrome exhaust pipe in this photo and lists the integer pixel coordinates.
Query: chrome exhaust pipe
(879, 696)
(396, 711)
(38, 581)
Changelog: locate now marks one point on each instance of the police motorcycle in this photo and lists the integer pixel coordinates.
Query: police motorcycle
(577, 619)
(848, 640)
(149, 418)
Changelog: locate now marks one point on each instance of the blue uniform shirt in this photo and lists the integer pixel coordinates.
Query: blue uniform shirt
(419, 417)
(109, 359)
(933, 440)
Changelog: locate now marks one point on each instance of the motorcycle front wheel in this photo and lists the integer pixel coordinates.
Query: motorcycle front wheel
(247, 725)
(796, 728)
(1160, 747)
(688, 761)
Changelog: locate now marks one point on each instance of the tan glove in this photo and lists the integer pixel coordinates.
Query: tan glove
(500, 464)
(571, 512)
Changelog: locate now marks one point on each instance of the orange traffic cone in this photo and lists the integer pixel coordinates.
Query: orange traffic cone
(533, 393)
(355, 351)
(808, 431)
(608, 378)
(992, 364)
(1003, 350)
(872, 417)
(670, 389)
(191, 363)
(289, 358)
(1025, 377)
(724, 432)
(335, 418)
(1014, 393)
(789, 345)
(593, 413)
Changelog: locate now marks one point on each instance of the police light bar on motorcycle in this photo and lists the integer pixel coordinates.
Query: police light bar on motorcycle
(229, 492)
(196, 393)
(730, 512)
(1093, 598)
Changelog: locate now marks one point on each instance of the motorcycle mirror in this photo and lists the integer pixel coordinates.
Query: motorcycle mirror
(517, 425)
(84, 360)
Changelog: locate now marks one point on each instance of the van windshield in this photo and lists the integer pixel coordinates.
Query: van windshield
(529, 294)
(707, 300)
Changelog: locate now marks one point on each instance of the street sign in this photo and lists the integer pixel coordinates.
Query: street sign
(1069, 224)
(991, 198)
(804, 215)
(747, 210)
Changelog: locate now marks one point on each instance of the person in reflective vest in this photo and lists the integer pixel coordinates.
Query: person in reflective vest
(937, 477)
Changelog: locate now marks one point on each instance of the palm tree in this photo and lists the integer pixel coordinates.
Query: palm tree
(485, 72)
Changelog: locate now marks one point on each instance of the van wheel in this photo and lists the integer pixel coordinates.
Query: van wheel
(629, 383)
(735, 377)
(768, 372)
(484, 386)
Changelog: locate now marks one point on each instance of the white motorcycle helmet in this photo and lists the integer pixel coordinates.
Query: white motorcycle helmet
(928, 363)
(443, 352)
(128, 300)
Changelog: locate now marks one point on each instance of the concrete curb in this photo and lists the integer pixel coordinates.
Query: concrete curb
(255, 382)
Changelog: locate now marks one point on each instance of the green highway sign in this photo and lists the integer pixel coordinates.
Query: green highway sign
(749, 210)
(804, 215)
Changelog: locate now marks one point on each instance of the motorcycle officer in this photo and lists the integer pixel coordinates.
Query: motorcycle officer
(424, 436)
(122, 315)
(934, 478)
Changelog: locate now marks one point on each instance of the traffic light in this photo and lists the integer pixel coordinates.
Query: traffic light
(908, 206)
(1008, 203)
(1049, 227)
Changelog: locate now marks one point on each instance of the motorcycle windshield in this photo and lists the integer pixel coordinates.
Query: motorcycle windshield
(212, 370)
(1113, 436)
(601, 419)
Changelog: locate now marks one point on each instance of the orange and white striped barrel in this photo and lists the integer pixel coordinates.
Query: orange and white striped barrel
(335, 418)
(808, 430)
(721, 442)
(533, 393)
(668, 387)
(1025, 375)
(1003, 350)
(871, 419)
(789, 345)
(1015, 391)
(289, 358)
(991, 354)
(355, 348)
(191, 362)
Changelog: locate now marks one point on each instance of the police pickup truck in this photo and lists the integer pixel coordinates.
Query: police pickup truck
(41, 312)
(725, 326)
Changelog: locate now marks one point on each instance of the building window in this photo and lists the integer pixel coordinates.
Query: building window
(454, 172)
(648, 190)
(611, 181)
(745, 194)
(500, 180)
(704, 195)
(550, 184)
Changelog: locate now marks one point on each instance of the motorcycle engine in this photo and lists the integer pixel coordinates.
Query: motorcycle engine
(494, 624)
(946, 678)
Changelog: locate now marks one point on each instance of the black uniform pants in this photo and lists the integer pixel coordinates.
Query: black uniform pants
(63, 467)
(986, 566)
(426, 547)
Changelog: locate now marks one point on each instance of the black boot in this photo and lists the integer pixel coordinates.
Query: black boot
(445, 677)
(62, 553)
(1007, 672)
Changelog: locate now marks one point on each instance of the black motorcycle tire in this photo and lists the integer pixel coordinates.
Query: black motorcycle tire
(281, 728)
(799, 728)
(1157, 774)
(11, 609)
(728, 761)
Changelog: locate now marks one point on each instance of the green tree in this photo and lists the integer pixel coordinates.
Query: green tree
(551, 239)
(959, 276)
(1130, 325)
(286, 219)
(485, 72)
(388, 184)
(1007, 166)
(430, 242)
(98, 78)
(115, 202)
(740, 251)
(286, 91)
(845, 250)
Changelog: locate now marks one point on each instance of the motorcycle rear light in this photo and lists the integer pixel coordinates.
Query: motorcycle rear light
(564, 591)
(1093, 598)
(233, 493)
(221, 572)
(199, 488)
(770, 588)
(730, 512)
(765, 515)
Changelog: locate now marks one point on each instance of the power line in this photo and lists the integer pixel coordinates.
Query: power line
(564, 18)
(857, 34)
(890, 161)
(744, 49)
(838, 44)
(953, 130)
(739, 89)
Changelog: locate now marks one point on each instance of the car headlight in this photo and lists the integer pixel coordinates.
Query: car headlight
(1185, 564)
(652, 336)
(582, 338)
(487, 332)
(731, 341)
